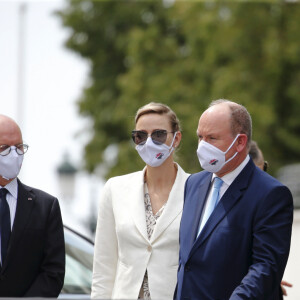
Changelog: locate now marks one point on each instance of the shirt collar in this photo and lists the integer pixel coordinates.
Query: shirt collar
(12, 187)
(229, 178)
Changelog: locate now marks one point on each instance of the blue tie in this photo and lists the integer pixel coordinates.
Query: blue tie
(5, 223)
(213, 203)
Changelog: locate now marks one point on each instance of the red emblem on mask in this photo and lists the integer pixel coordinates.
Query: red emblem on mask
(213, 162)
(159, 155)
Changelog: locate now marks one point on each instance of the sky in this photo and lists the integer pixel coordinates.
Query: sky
(50, 78)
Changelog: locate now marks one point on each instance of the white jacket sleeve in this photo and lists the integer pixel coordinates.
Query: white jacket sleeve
(106, 248)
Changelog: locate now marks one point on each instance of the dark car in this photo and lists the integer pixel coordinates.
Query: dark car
(79, 264)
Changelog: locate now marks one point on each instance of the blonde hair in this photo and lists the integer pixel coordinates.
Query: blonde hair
(160, 109)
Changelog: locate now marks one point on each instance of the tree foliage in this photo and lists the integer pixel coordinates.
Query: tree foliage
(186, 54)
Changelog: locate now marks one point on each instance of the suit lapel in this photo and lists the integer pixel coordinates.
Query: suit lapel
(229, 199)
(221, 210)
(25, 204)
(137, 203)
(195, 194)
(173, 207)
(200, 200)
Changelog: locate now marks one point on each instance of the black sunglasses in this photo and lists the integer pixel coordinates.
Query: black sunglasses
(158, 136)
(266, 165)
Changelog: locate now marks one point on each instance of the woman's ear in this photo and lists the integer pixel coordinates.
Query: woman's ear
(177, 139)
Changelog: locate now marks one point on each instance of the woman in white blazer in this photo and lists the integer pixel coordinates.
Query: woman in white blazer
(136, 244)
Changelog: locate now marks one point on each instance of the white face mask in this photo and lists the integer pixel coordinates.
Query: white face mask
(154, 155)
(211, 158)
(10, 164)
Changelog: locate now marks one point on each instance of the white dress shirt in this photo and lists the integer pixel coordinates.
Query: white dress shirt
(227, 181)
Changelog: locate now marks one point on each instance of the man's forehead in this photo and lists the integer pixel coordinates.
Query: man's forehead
(9, 132)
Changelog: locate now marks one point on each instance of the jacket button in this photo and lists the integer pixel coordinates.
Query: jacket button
(149, 248)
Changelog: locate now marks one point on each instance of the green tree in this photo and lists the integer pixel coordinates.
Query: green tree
(185, 55)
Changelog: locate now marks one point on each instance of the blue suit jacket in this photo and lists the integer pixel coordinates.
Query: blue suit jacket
(242, 251)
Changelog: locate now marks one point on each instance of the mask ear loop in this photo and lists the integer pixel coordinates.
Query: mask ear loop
(171, 146)
(232, 143)
(232, 157)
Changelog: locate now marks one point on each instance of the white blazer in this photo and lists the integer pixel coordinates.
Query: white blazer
(122, 249)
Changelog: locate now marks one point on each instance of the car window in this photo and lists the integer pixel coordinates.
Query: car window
(79, 262)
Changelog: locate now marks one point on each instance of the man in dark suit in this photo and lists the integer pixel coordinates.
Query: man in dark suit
(236, 224)
(32, 252)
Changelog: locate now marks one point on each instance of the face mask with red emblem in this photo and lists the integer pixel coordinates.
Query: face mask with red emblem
(211, 158)
(154, 154)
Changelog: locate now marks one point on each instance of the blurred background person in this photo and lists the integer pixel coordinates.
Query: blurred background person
(136, 243)
(258, 158)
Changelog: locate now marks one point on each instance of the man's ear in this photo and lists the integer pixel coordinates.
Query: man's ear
(242, 142)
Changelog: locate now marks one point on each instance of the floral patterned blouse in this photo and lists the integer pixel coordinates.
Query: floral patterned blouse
(150, 222)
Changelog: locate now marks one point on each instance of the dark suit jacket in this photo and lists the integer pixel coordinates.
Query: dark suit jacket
(35, 262)
(242, 251)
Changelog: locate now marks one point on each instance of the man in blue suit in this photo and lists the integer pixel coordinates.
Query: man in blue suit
(236, 224)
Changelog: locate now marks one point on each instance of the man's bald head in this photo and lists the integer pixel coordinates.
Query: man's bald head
(9, 130)
(240, 119)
